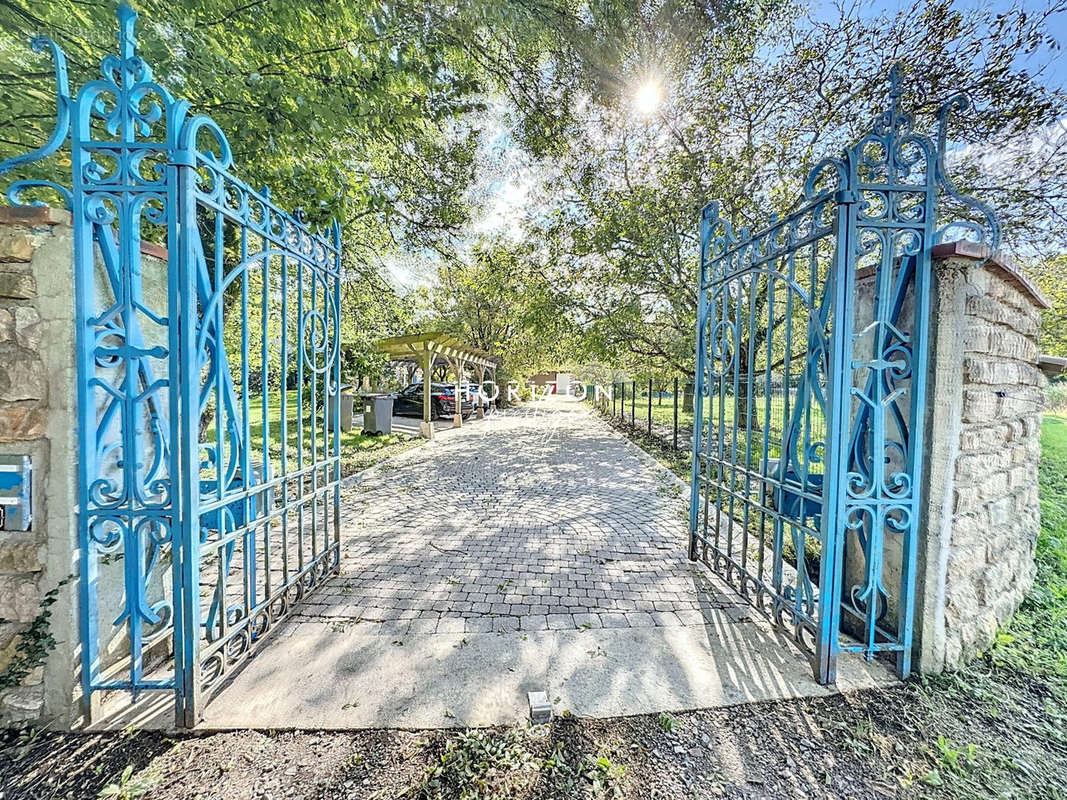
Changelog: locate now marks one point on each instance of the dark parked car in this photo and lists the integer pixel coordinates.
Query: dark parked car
(408, 402)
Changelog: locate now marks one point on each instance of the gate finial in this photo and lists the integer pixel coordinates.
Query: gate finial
(895, 90)
(126, 35)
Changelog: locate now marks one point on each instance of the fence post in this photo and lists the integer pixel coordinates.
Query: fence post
(674, 400)
(649, 406)
(633, 404)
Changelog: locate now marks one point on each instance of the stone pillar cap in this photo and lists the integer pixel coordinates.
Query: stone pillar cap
(997, 261)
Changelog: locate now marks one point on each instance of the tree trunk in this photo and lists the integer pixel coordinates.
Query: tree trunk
(687, 397)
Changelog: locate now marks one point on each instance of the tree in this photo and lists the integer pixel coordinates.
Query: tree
(496, 300)
(748, 109)
(348, 109)
(1050, 278)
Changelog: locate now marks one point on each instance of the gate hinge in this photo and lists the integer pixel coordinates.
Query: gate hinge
(181, 158)
(846, 196)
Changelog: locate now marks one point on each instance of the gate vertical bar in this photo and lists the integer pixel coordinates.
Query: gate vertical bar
(84, 288)
(185, 365)
(698, 381)
(839, 386)
(336, 238)
(917, 426)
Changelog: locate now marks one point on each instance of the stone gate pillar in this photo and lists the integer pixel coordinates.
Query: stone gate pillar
(37, 414)
(981, 515)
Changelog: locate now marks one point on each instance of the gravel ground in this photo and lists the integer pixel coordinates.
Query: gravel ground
(911, 741)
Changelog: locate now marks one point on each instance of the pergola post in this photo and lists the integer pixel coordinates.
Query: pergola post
(481, 381)
(425, 349)
(426, 427)
(457, 367)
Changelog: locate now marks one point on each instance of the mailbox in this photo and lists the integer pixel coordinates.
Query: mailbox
(16, 510)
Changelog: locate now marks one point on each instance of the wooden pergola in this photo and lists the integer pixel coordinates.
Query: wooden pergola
(425, 349)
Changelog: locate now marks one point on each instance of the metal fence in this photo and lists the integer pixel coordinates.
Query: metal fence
(664, 408)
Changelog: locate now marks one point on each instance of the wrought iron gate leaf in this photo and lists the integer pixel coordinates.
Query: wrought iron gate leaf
(195, 538)
(812, 342)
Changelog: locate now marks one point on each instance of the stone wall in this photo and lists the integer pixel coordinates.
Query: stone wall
(37, 368)
(982, 514)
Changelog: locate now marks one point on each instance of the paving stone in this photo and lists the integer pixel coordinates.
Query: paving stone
(479, 625)
(558, 622)
(666, 619)
(451, 625)
(578, 533)
(640, 619)
(533, 622)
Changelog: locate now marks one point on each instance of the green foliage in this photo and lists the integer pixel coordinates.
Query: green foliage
(667, 722)
(34, 643)
(341, 107)
(499, 765)
(498, 301)
(354, 110)
(750, 104)
(1056, 397)
(1049, 277)
(129, 786)
(480, 765)
(955, 759)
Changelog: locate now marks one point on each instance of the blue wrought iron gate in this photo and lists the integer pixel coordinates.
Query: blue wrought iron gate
(208, 327)
(812, 348)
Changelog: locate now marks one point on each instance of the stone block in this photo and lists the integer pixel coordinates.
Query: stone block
(993, 486)
(27, 327)
(1002, 512)
(19, 599)
(16, 245)
(965, 499)
(23, 379)
(9, 643)
(22, 704)
(17, 285)
(979, 404)
(1022, 475)
(19, 556)
(34, 216)
(21, 423)
(977, 438)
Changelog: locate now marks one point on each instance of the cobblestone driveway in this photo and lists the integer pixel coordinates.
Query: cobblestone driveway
(527, 521)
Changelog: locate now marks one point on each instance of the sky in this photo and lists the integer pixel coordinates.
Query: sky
(504, 190)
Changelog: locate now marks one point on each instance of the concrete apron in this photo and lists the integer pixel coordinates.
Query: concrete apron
(315, 677)
(326, 679)
(330, 675)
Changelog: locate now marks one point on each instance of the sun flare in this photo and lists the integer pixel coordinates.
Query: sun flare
(648, 97)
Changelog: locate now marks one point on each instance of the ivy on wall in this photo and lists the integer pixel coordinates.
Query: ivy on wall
(34, 644)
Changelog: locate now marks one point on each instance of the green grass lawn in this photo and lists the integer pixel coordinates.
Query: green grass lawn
(358, 450)
(718, 414)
